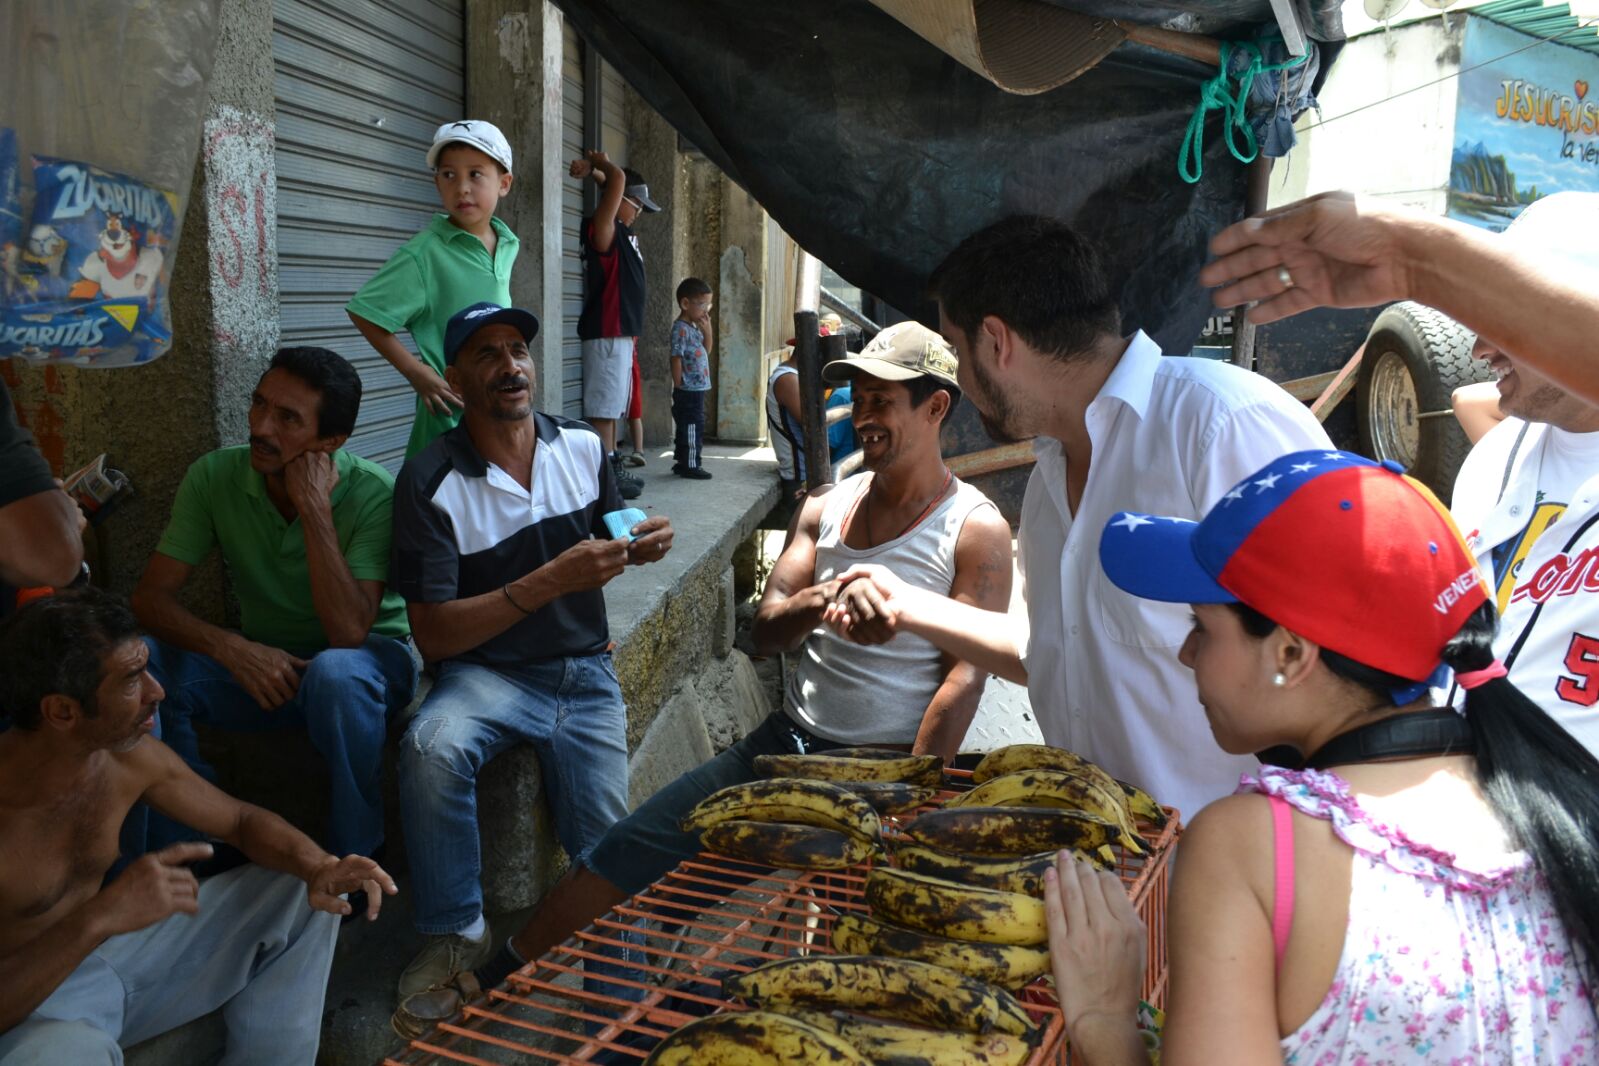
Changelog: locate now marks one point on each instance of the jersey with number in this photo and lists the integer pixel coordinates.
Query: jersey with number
(1527, 499)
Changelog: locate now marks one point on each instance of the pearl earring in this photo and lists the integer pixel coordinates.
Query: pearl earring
(1279, 680)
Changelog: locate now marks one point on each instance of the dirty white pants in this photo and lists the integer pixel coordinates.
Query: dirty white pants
(256, 949)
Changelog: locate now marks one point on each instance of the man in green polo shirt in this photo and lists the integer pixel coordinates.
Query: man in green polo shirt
(303, 527)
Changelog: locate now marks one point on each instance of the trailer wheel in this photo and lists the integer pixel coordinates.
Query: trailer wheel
(1415, 358)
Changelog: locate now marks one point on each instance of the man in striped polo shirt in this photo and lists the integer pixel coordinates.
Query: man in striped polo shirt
(501, 553)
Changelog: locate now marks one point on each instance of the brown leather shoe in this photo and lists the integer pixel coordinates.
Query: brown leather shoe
(420, 1012)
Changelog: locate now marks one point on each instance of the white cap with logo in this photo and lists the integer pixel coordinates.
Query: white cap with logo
(484, 136)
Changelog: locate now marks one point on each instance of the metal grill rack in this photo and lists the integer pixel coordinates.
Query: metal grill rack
(709, 917)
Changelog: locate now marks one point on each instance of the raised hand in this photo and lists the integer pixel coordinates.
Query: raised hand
(1331, 250)
(152, 888)
(349, 874)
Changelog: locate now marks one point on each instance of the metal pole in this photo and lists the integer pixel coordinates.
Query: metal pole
(813, 423)
(1256, 193)
(808, 284)
(846, 312)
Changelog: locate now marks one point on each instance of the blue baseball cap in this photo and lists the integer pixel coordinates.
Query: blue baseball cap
(469, 320)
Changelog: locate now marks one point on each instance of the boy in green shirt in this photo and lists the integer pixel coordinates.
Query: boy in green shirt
(463, 257)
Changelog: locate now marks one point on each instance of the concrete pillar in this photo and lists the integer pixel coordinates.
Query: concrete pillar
(156, 419)
(513, 79)
(741, 385)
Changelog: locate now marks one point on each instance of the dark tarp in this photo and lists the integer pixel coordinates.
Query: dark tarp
(1320, 19)
(878, 153)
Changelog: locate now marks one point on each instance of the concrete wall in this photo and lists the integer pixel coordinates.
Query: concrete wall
(742, 297)
(154, 420)
(513, 79)
(1399, 149)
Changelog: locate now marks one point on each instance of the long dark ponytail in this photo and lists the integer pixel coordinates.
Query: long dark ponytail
(1539, 780)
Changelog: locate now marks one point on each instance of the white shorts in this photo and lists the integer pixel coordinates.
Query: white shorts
(607, 377)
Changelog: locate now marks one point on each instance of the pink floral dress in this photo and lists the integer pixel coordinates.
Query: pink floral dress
(1440, 964)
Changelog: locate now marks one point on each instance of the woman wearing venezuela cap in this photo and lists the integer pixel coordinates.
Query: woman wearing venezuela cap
(1424, 887)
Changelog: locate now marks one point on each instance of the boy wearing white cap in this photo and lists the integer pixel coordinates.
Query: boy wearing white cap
(463, 257)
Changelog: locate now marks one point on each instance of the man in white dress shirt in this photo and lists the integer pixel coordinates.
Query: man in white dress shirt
(1117, 427)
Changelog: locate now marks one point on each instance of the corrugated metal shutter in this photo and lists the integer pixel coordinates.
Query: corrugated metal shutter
(613, 119)
(572, 146)
(360, 86)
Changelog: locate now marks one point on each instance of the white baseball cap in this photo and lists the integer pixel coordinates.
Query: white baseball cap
(484, 136)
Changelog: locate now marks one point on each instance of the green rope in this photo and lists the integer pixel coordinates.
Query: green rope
(1215, 95)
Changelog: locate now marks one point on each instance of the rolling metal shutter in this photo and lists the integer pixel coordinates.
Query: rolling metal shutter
(359, 87)
(572, 146)
(613, 120)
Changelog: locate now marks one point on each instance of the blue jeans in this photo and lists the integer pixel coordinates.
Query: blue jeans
(344, 702)
(570, 710)
(645, 845)
(256, 949)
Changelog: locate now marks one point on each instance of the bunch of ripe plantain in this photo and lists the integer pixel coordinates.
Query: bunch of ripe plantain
(893, 782)
(849, 1009)
(1019, 758)
(815, 812)
(788, 824)
(967, 885)
(1029, 797)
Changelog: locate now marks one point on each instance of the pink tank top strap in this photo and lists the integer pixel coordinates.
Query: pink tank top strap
(1282, 902)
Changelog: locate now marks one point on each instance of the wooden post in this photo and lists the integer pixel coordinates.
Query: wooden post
(813, 421)
(1256, 193)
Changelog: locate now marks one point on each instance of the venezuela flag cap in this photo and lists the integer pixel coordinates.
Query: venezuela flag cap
(1345, 552)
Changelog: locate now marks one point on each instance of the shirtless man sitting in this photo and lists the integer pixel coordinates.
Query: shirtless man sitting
(86, 967)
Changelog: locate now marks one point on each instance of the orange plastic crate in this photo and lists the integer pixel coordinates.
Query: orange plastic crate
(727, 916)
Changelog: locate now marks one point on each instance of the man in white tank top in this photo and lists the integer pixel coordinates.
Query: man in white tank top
(907, 509)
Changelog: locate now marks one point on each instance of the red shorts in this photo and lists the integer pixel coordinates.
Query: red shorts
(635, 406)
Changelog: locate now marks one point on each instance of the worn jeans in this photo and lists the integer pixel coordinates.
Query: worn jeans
(641, 848)
(570, 710)
(256, 949)
(345, 699)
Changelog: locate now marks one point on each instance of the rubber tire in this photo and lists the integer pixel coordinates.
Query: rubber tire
(1437, 353)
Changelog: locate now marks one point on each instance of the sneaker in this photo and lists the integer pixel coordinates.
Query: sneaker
(627, 482)
(693, 473)
(634, 459)
(442, 960)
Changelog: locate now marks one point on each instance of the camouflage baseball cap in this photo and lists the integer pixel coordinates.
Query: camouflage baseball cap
(902, 351)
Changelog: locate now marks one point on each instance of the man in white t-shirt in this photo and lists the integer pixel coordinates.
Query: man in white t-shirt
(1527, 499)
(1031, 314)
